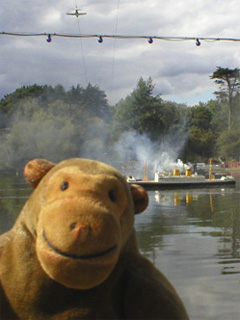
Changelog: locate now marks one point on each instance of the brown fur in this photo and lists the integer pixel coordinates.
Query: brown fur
(72, 253)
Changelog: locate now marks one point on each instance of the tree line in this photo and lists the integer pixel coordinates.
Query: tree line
(54, 123)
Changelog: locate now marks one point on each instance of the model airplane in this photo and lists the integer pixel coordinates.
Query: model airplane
(76, 13)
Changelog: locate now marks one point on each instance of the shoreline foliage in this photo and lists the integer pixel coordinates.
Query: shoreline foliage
(54, 123)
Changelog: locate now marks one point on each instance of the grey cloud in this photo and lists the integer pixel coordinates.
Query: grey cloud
(116, 65)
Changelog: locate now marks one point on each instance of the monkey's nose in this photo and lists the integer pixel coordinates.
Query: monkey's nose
(80, 230)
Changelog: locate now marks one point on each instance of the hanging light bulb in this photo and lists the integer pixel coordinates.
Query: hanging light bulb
(100, 39)
(49, 39)
(150, 40)
(198, 43)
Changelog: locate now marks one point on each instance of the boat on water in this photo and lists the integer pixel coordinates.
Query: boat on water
(164, 180)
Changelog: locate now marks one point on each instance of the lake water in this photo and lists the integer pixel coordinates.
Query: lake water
(191, 235)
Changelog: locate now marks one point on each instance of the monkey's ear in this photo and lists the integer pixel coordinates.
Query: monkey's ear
(35, 170)
(140, 198)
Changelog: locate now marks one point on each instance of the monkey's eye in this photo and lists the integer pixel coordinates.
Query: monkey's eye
(64, 185)
(112, 195)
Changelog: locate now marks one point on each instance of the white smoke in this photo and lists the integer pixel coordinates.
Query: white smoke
(157, 156)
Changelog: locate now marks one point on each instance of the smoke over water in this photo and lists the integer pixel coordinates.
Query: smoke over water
(138, 151)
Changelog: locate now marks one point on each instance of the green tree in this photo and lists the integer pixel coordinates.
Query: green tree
(201, 117)
(229, 83)
(95, 102)
(10, 101)
(53, 123)
(201, 139)
(40, 135)
(219, 112)
(75, 94)
(229, 144)
(140, 111)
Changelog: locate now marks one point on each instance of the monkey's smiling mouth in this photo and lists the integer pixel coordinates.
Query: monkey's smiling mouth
(74, 256)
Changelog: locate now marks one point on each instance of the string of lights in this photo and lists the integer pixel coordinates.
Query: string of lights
(101, 37)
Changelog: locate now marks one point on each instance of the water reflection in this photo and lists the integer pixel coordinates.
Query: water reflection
(206, 212)
(193, 236)
(13, 194)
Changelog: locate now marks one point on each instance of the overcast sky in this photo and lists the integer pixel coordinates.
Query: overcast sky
(180, 70)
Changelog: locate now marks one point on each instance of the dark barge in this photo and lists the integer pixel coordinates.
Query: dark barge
(167, 182)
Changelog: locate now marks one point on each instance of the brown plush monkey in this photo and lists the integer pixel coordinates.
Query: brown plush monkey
(72, 253)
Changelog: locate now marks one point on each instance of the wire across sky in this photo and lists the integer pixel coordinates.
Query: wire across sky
(100, 37)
